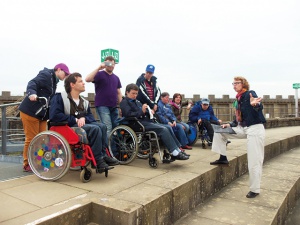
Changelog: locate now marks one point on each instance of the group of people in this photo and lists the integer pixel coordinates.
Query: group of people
(142, 100)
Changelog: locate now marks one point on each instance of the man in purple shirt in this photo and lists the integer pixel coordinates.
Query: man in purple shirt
(108, 93)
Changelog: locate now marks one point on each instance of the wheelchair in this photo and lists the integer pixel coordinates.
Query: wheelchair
(193, 134)
(130, 140)
(199, 133)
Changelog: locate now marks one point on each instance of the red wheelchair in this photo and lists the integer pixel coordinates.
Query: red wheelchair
(52, 153)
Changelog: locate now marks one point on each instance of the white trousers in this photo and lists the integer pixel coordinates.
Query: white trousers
(255, 135)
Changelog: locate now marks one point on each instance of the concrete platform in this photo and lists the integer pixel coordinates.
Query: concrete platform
(138, 194)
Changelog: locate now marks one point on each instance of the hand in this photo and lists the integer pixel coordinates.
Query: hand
(171, 124)
(102, 66)
(189, 106)
(32, 97)
(220, 121)
(199, 121)
(81, 122)
(144, 108)
(225, 125)
(155, 108)
(254, 101)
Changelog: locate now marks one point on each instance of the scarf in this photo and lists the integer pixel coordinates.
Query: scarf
(237, 105)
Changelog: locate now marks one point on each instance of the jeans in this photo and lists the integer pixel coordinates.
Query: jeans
(96, 134)
(186, 127)
(180, 134)
(108, 116)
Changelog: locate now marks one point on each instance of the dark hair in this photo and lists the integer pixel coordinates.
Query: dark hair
(72, 78)
(132, 86)
(175, 96)
(110, 58)
(164, 94)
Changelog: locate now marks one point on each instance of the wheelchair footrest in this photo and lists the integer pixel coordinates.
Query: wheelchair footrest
(104, 170)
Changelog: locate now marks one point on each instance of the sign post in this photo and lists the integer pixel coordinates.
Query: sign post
(109, 52)
(296, 86)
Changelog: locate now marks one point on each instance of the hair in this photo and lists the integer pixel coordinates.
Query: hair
(72, 78)
(244, 81)
(110, 58)
(164, 94)
(175, 96)
(132, 86)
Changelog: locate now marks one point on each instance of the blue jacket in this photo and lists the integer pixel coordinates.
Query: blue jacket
(250, 115)
(165, 113)
(197, 113)
(133, 108)
(143, 95)
(59, 114)
(43, 85)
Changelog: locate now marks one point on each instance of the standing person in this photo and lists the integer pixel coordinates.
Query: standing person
(108, 93)
(166, 116)
(131, 107)
(34, 122)
(176, 105)
(203, 114)
(149, 91)
(70, 106)
(248, 124)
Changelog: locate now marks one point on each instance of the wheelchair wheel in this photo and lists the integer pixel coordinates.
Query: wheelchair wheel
(49, 155)
(144, 149)
(86, 175)
(193, 133)
(123, 144)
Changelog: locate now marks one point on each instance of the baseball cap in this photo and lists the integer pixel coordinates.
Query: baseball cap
(205, 101)
(150, 68)
(63, 67)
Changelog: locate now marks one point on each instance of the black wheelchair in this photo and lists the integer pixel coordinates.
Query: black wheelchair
(130, 140)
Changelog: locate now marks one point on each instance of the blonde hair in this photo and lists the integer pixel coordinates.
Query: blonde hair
(244, 81)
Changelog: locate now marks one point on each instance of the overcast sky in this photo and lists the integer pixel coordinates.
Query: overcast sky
(196, 46)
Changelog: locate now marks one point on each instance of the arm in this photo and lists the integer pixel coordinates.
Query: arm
(119, 95)
(131, 110)
(193, 115)
(160, 114)
(90, 77)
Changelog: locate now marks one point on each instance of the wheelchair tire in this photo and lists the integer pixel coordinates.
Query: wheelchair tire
(49, 155)
(123, 144)
(86, 175)
(193, 133)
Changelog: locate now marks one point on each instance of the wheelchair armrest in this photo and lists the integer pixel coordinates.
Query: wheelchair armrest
(63, 123)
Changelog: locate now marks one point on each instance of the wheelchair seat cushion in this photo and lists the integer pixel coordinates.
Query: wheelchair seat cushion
(81, 134)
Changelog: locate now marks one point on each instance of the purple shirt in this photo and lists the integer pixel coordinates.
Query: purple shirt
(106, 89)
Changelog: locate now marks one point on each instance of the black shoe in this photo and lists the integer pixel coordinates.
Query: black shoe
(111, 161)
(186, 154)
(101, 164)
(252, 194)
(220, 162)
(180, 156)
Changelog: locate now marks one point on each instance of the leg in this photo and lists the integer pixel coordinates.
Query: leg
(209, 129)
(186, 127)
(181, 135)
(104, 115)
(172, 134)
(32, 126)
(255, 154)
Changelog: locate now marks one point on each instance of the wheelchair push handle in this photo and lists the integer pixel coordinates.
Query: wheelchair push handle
(45, 106)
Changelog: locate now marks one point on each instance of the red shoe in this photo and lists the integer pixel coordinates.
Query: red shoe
(187, 147)
(27, 168)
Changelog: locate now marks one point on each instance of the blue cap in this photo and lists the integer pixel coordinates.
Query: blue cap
(150, 68)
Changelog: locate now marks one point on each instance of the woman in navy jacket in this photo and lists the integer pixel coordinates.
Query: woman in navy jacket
(248, 124)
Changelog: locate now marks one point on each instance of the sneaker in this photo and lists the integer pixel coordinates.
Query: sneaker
(187, 147)
(111, 161)
(27, 168)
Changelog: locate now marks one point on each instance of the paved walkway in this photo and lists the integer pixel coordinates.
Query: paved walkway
(136, 189)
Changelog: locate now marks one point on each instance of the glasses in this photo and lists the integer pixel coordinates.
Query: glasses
(235, 83)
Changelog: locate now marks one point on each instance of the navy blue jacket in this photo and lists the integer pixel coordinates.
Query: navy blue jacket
(250, 115)
(57, 112)
(133, 108)
(197, 113)
(43, 85)
(143, 95)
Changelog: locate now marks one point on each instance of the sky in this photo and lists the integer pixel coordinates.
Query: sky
(196, 46)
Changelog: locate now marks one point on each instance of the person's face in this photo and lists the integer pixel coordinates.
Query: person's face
(61, 75)
(237, 85)
(165, 99)
(132, 94)
(148, 75)
(110, 69)
(79, 86)
(178, 99)
(205, 106)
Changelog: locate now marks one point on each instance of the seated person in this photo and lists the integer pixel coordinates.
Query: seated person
(70, 106)
(176, 105)
(133, 108)
(203, 114)
(166, 116)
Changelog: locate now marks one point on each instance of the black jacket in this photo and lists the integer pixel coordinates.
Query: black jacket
(43, 85)
(133, 108)
(250, 115)
(143, 95)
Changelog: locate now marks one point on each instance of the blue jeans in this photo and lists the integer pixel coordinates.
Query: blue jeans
(186, 126)
(108, 116)
(96, 134)
(180, 134)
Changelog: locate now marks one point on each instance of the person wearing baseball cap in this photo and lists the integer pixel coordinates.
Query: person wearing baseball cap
(34, 112)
